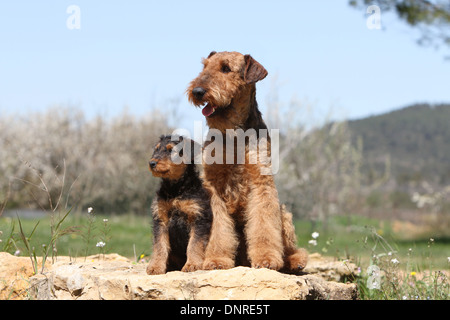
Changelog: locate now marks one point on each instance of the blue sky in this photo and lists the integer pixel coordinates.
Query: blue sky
(142, 54)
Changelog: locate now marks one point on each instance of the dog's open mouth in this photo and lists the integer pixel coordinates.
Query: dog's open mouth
(208, 110)
(211, 110)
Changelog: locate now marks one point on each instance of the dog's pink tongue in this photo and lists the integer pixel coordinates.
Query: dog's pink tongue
(208, 110)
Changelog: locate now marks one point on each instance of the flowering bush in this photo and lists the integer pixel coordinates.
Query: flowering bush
(59, 157)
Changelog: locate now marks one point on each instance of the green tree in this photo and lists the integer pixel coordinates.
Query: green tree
(432, 18)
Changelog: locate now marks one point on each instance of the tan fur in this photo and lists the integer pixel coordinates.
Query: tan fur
(240, 194)
(161, 249)
(196, 249)
(181, 213)
(295, 258)
(166, 169)
(190, 207)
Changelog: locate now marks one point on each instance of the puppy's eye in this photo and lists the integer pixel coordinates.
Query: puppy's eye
(225, 69)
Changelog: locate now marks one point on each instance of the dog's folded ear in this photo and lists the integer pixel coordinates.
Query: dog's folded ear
(211, 54)
(253, 71)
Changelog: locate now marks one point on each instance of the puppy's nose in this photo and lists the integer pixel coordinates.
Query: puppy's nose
(152, 164)
(198, 92)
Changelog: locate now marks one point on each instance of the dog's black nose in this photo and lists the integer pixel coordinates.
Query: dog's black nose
(152, 164)
(198, 92)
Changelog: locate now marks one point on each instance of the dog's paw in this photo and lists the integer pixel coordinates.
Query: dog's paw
(153, 269)
(269, 262)
(191, 267)
(218, 263)
(297, 261)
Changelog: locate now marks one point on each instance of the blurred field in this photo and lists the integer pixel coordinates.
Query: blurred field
(128, 235)
(358, 239)
(355, 238)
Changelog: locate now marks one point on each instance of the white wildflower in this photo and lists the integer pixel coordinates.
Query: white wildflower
(374, 277)
(315, 235)
(395, 261)
(313, 242)
(100, 244)
(90, 209)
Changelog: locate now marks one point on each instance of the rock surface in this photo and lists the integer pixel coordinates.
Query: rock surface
(113, 277)
(14, 276)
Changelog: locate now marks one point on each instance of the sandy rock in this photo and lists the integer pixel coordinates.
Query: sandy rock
(123, 280)
(330, 269)
(14, 275)
(112, 277)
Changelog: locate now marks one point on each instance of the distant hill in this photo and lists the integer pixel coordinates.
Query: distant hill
(417, 138)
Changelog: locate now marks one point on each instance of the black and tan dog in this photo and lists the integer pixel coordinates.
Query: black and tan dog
(182, 215)
(244, 198)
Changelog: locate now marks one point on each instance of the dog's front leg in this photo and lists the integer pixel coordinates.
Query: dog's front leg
(263, 228)
(223, 242)
(200, 219)
(161, 243)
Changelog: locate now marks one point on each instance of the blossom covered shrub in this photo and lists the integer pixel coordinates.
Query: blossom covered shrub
(61, 158)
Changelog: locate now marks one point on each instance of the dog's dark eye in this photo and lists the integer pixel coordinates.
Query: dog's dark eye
(226, 69)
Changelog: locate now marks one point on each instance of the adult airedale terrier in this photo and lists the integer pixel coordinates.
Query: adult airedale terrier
(248, 219)
(182, 213)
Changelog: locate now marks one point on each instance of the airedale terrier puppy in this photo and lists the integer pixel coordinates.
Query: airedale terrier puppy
(181, 211)
(247, 215)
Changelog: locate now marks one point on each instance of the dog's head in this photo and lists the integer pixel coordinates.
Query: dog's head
(226, 81)
(167, 149)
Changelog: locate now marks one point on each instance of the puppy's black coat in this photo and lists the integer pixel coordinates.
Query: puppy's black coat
(182, 215)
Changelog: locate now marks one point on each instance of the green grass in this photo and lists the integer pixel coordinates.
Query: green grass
(351, 238)
(409, 268)
(364, 241)
(128, 235)
(358, 238)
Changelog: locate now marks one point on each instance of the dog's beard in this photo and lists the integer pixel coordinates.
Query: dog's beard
(212, 102)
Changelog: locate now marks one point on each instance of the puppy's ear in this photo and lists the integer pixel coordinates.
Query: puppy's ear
(253, 71)
(176, 138)
(211, 54)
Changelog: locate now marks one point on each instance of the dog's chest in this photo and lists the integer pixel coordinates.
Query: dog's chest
(187, 209)
(230, 183)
